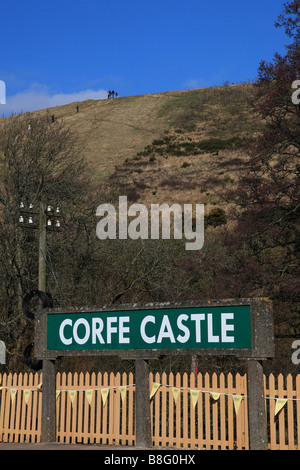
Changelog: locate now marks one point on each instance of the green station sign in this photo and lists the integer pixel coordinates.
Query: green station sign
(210, 327)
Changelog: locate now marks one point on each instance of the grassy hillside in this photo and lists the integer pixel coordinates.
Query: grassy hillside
(200, 148)
(165, 147)
(177, 146)
(109, 131)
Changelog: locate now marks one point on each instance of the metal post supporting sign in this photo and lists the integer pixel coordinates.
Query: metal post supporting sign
(239, 327)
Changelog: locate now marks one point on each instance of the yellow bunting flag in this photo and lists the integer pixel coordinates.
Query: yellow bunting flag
(194, 396)
(104, 395)
(123, 392)
(280, 402)
(40, 386)
(175, 391)
(13, 393)
(57, 394)
(72, 394)
(89, 395)
(26, 395)
(155, 387)
(237, 401)
(215, 395)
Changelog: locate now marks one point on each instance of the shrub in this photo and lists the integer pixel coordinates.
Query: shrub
(216, 217)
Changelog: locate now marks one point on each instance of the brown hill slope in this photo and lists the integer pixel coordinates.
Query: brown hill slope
(109, 131)
(199, 151)
(172, 147)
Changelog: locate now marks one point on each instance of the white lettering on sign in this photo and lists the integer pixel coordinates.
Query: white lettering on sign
(152, 330)
(123, 329)
(147, 319)
(225, 327)
(86, 336)
(111, 329)
(211, 337)
(197, 317)
(62, 337)
(166, 331)
(97, 328)
(183, 338)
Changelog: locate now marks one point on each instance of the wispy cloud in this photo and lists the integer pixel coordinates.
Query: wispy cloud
(197, 83)
(215, 79)
(40, 97)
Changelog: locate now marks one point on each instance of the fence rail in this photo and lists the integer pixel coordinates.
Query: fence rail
(206, 411)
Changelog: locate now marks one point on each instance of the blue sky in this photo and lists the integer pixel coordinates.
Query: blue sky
(59, 51)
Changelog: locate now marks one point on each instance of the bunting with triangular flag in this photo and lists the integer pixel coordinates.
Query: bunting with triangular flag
(104, 395)
(89, 395)
(194, 396)
(57, 394)
(215, 395)
(13, 393)
(280, 402)
(175, 391)
(237, 401)
(72, 394)
(123, 392)
(27, 395)
(155, 387)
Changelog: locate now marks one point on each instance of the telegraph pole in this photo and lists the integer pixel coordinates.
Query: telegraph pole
(42, 247)
(46, 217)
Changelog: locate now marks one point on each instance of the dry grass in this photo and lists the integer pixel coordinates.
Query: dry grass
(113, 135)
(109, 131)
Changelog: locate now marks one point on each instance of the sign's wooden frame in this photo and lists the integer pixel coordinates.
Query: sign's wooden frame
(262, 335)
(262, 347)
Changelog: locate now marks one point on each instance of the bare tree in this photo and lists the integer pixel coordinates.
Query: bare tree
(38, 163)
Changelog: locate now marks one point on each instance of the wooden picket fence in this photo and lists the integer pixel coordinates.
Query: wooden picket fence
(188, 412)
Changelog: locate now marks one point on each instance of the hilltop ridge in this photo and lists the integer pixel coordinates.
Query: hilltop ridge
(176, 145)
(109, 131)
